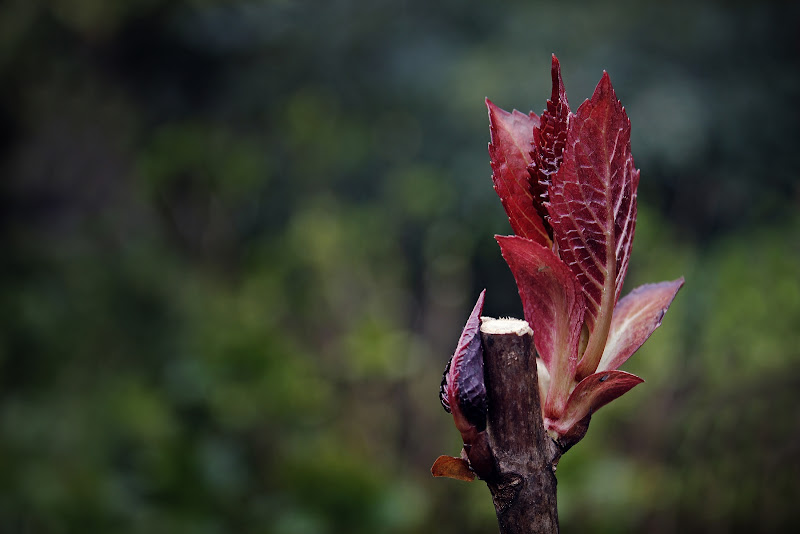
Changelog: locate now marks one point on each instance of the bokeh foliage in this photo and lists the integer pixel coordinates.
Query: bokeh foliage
(240, 240)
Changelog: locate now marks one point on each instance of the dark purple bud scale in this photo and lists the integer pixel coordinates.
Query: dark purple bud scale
(462, 391)
(443, 388)
(470, 386)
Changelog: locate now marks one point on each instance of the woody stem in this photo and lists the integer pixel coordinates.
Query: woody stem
(524, 487)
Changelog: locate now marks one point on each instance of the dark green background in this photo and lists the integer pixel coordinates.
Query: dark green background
(239, 241)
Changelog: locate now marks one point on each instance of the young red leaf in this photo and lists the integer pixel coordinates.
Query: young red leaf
(553, 305)
(593, 209)
(549, 140)
(591, 394)
(509, 149)
(636, 316)
(452, 467)
(463, 392)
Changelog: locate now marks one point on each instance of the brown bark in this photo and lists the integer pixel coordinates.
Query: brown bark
(523, 486)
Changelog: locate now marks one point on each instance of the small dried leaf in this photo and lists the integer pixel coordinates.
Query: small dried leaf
(636, 316)
(452, 467)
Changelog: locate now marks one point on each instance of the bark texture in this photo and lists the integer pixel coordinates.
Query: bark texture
(523, 486)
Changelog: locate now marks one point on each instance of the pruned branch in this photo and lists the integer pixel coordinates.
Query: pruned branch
(524, 485)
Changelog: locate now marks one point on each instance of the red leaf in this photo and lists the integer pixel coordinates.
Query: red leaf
(509, 149)
(452, 467)
(593, 209)
(553, 306)
(591, 394)
(463, 392)
(549, 140)
(636, 316)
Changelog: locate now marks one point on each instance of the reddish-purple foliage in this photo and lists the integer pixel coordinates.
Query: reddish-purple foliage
(571, 202)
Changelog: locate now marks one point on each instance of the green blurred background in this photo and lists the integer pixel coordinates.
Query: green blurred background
(240, 239)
